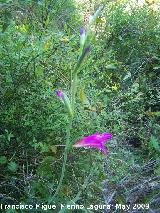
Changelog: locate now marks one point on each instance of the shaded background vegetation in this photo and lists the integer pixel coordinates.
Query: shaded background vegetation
(39, 47)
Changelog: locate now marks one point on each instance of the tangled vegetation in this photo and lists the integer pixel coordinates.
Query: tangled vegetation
(111, 84)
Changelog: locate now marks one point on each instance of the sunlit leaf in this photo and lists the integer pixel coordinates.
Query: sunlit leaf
(111, 66)
(12, 166)
(53, 149)
(47, 44)
(3, 160)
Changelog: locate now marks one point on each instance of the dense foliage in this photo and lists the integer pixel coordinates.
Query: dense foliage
(118, 92)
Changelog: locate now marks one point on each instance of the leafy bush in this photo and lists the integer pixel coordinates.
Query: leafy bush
(117, 92)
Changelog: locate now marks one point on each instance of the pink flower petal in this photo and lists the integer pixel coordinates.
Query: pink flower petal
(59, 93)
(105, 150)
(106, 136)
(96, 140)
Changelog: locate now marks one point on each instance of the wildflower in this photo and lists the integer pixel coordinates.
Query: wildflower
(96, 140)
(59, 93)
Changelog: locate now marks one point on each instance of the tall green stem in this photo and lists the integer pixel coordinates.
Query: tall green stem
(68, 144)
(73, 90)
(67, 149)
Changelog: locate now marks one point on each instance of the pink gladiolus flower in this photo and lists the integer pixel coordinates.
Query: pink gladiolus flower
(96, 140)
(59, 93)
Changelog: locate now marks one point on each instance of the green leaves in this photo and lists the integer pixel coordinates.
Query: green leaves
(121, 94)
(12, 166)
(154, 143)
(39, 71)
(45, 168)
(3, 160)
(6, 18)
